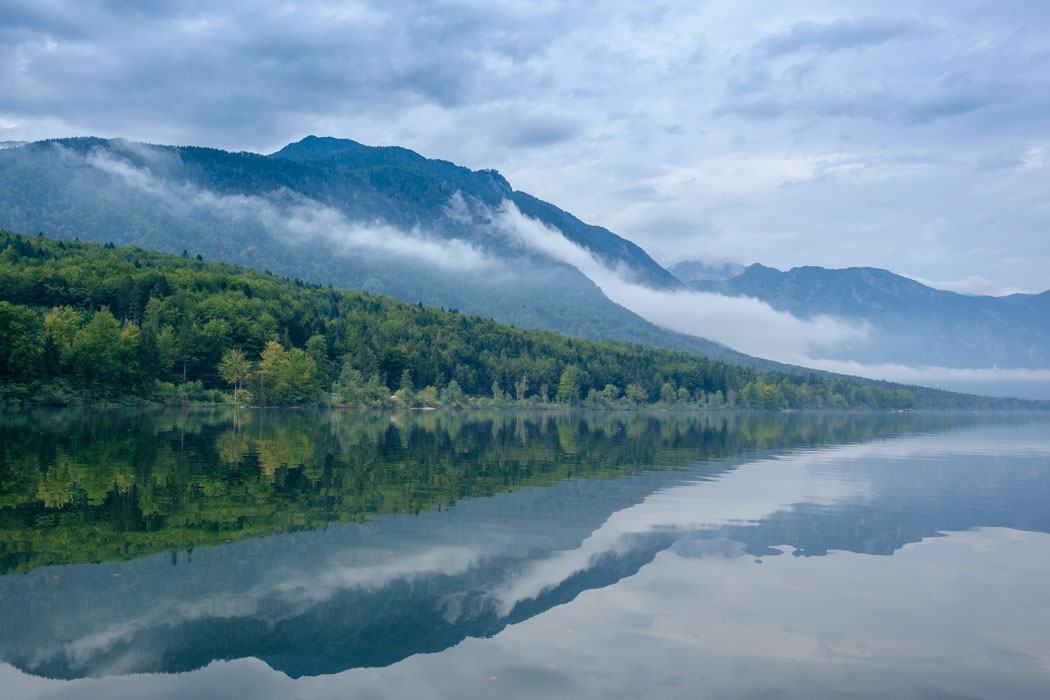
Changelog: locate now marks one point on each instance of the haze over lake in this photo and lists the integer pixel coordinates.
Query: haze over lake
(226, 553)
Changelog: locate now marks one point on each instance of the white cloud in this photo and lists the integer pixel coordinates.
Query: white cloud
(994, 381)
(974, 285)
(753, 327)
(294, 217)
(745, 324)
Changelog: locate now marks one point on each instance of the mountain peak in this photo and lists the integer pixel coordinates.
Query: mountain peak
(314, 148)
(326, 151)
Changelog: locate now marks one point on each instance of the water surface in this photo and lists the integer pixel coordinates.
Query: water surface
(335, 554)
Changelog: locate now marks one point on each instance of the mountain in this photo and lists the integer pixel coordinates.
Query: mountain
(690, 270)
(909, 322)
(333, 211)
(85, 321)
(389, 221)
(416, 175)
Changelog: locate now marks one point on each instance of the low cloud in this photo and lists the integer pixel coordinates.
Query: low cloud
(293, 217)
(974, 285)
(753, 327)
(748, 325)
(745, 324)
(986, 381)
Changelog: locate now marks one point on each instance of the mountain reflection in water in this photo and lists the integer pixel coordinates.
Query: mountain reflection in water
(320, 542)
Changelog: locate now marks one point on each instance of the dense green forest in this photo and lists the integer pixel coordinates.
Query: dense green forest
(84, 484)
(89, 322)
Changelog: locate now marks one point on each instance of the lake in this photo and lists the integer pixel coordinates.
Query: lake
(316, 554)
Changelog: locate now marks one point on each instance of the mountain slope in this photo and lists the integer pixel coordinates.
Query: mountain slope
(332, 211)
(432, 182)
(911, 323)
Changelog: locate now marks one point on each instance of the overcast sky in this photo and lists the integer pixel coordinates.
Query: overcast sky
(913, 135)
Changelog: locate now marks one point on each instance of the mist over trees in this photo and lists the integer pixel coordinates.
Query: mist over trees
(88, 322)
(298, 213)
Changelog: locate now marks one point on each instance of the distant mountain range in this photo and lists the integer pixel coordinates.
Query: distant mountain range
(909, 322)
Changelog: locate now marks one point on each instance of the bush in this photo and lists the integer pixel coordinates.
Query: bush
(58, 392)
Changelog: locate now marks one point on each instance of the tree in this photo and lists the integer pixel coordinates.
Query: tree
(285, 376)
(452, 394)
(317, 349)
(60, 328)
(636, 393)
(354, 390)
(21, 349)
(129, 375)
(521, 387)
(569, 385)
(405, 384)
(95, 354)
(301, 379)
(234, 368)
(186, 343)
(429, 396)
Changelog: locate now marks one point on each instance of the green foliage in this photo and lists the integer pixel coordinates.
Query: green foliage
(569, 385)
(20, 352)
(285, 377)
(235, 368)
(636, 394)
(353, 390)
(88, 322)
(452, 395)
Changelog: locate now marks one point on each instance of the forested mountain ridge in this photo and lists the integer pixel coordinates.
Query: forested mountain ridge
(384, 220)
(87, 321)
(911, 322)
(390, 221)
(343, 156)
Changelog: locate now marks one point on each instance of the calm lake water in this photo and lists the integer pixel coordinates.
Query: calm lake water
(268, 554)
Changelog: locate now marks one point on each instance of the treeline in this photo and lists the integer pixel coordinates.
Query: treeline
(87, 322)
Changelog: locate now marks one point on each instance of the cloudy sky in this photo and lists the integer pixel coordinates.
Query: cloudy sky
(913, 136)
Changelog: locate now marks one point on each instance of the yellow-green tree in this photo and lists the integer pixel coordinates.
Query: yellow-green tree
(569, 385)
(285, 376)
(234, 368)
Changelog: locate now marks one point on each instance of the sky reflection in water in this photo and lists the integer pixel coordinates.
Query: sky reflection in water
(910, 560)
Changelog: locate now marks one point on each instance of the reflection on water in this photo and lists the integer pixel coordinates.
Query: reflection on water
(82, 486)
(320, 543)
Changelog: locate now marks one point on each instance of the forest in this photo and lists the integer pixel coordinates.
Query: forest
(91, 323)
